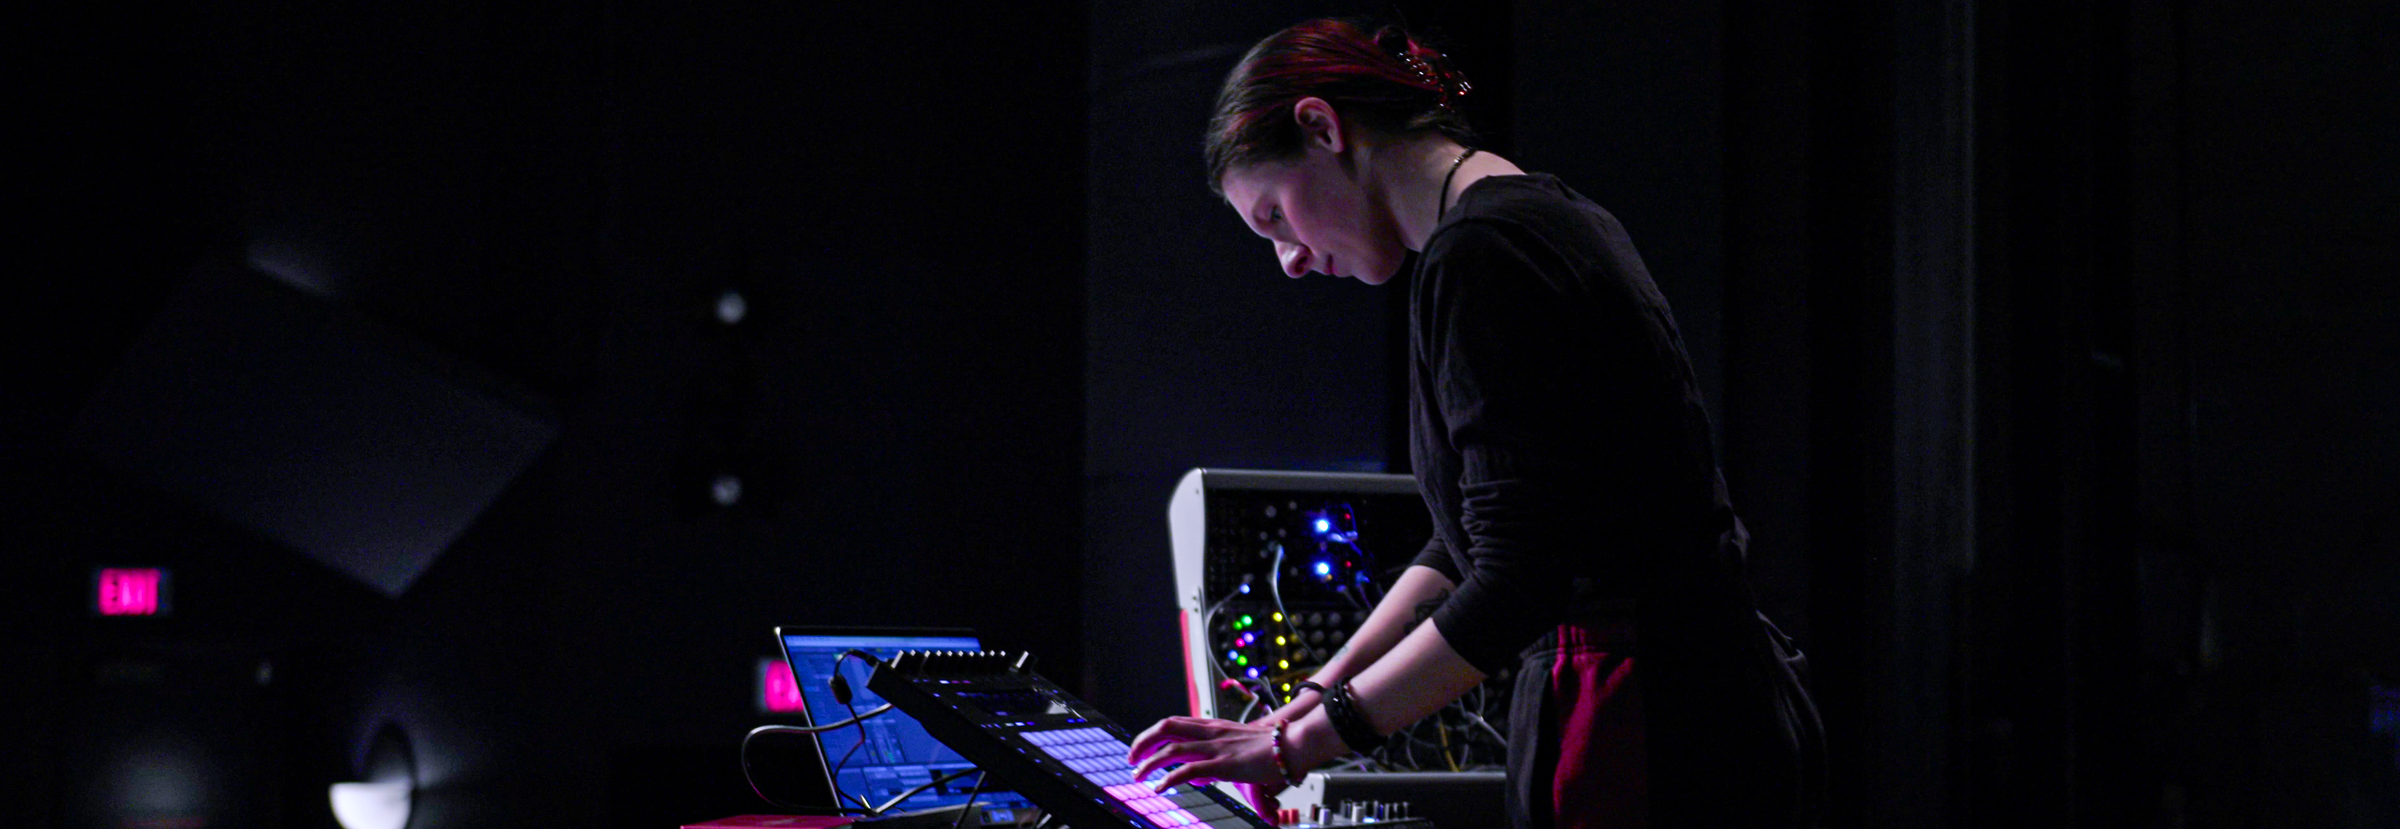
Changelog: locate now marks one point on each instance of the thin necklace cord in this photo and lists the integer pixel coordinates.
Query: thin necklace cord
(1442, 206)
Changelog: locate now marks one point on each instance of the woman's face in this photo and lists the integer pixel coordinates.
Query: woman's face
(1318, 217)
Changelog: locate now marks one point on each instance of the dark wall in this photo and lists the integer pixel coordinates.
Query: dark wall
(2133, 581)
(559, 195)
(1628, 110)
(2182, 599)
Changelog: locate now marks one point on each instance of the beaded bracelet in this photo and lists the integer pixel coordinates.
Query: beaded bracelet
(1281, 767)
(1341, 709)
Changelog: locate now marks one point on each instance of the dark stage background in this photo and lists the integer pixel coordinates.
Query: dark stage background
(2052, 349)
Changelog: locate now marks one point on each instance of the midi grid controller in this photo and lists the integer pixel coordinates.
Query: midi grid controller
(1053, 749)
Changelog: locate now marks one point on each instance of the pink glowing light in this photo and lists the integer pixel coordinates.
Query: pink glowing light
(129, 591)
(778, 691)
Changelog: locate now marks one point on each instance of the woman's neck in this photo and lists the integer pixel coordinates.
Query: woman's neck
(1412, 185)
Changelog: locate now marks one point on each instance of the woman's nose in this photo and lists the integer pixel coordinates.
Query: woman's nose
(1294, 259)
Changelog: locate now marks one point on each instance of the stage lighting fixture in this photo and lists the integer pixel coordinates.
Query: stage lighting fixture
(385, 799)
(371, 805)
(731, 307)
(725, 490)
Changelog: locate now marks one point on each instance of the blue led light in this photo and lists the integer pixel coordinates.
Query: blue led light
(1233, 654)
(1245, 588)
(1324, 525)
(1253, 673)
(1324, 569)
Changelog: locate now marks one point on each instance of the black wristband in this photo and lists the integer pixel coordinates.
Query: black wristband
(1349, 723)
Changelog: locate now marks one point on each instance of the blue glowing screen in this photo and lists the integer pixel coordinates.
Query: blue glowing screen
(898, 754)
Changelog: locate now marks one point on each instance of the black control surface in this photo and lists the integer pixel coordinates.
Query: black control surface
(1053, 749)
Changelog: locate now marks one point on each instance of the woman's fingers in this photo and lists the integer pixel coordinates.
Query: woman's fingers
(1174, 730)
(1206, 749)
(1167, 754)
(1198, 769)
(1260, 798)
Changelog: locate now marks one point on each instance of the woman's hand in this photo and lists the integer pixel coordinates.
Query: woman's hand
(1210, 750)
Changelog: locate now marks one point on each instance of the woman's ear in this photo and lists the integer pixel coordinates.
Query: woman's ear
(1320, 126)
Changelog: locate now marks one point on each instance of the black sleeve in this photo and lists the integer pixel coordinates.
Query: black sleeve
(1437, 556)
(1519, 357)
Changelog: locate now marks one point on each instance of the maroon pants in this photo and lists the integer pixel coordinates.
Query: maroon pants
(1601, 780)
(1589, 769)
(1739, 742)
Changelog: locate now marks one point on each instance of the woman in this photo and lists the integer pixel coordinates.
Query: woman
(1560, 441)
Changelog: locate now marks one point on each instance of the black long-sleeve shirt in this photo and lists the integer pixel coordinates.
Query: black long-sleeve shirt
(1558, 431)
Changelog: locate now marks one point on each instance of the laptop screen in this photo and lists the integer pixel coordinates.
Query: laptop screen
(897, 754)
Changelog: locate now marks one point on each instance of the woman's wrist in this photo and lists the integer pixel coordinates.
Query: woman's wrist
(1300, 702)
(1305, 686)
(1309, 742)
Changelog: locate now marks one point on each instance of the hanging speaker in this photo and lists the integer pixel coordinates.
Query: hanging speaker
(312, 425)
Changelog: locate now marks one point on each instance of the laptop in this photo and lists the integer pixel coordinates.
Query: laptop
(897, 754)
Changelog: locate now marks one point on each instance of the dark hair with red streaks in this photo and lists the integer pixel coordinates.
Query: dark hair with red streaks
(1376, 75)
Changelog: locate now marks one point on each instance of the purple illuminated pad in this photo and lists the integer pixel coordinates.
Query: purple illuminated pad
(1100, 757)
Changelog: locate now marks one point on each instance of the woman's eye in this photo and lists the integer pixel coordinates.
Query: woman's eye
(1274, 214)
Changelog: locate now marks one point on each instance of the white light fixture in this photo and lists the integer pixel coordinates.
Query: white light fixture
(372, 805)
(385, 798)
